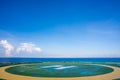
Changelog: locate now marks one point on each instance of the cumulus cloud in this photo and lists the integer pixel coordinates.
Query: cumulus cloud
(7, 46)
(28, 47)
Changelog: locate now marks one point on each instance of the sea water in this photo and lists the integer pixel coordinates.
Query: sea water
(59, 59)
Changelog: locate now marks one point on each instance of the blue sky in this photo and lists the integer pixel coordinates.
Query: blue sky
(60, 28)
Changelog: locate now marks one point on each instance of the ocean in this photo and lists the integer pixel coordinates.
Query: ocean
(59, 59)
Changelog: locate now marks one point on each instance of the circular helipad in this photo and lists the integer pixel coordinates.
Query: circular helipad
(65, 70)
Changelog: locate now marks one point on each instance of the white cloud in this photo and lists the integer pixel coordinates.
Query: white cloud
(28, 47)
(7, 46)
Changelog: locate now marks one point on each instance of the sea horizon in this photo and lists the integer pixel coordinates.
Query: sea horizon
(23, 59)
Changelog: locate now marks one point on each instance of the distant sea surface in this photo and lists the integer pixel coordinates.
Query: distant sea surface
(59, 59)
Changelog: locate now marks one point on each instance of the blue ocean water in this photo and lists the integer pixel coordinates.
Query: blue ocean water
(59, 59)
